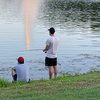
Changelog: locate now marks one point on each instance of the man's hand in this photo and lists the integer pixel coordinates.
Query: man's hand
(45, 50)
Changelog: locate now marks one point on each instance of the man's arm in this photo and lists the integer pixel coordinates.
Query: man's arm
(46, 48)
(13, 71)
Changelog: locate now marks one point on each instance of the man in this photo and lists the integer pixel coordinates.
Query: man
(21, 71)
(51, 53)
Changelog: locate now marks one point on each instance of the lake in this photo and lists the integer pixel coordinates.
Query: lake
(77, 25)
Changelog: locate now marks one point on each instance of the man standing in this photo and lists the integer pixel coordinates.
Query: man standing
(51, 53)
(21, 71)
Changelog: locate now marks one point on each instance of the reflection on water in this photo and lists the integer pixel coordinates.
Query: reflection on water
(10, 10)
(77, 25)
(30, 11)
(63, 11)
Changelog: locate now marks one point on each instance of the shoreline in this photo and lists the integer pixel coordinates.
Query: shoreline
(85, 87)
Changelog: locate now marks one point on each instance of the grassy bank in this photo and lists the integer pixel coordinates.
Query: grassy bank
(79, 87)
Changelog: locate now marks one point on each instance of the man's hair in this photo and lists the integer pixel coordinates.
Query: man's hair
(21, 62)
(51, 30)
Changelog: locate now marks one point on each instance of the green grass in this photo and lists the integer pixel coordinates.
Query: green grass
(79, 87)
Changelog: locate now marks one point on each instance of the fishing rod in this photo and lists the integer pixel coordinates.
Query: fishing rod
(32, 50)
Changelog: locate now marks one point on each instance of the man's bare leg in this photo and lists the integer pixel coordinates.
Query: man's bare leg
(51, 72)
(55, 71)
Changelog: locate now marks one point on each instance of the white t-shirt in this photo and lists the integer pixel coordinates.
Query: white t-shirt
(52, 42)
(22, 71)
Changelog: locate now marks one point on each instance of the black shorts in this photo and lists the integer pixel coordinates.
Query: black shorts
(15, 77)
(50, 61)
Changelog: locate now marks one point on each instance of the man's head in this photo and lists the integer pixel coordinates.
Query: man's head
(51, 31)
(20, 60)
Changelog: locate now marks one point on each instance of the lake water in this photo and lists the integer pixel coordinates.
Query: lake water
(77, 25)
